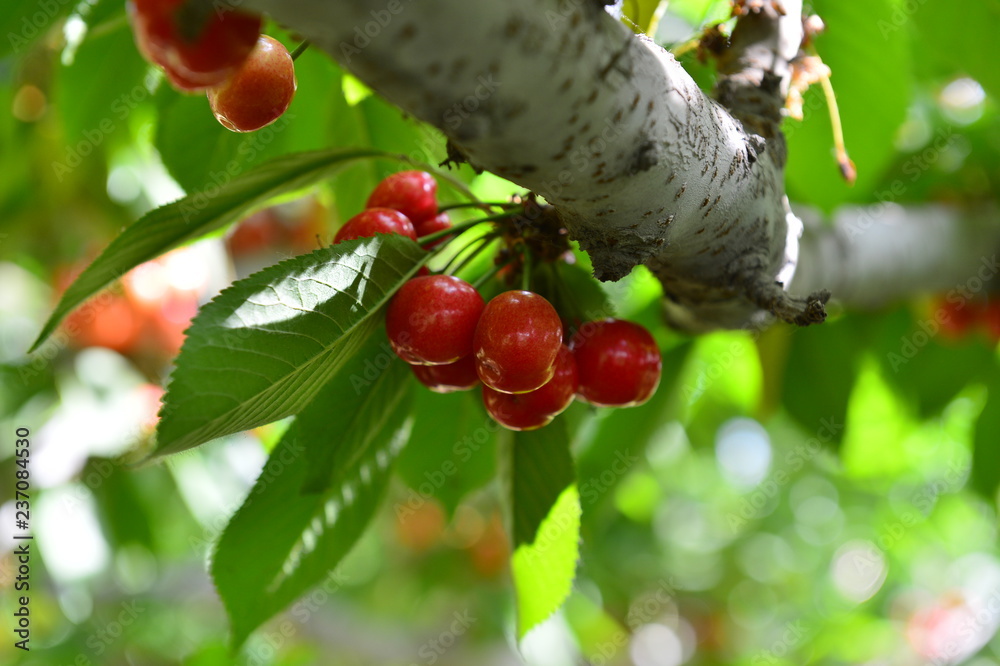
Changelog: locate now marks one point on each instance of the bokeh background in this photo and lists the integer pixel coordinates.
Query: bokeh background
(826, 495)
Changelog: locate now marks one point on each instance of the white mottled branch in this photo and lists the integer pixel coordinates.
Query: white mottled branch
(559, 97)
(873, 255)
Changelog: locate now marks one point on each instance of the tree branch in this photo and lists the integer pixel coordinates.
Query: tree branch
(873, 255)
(642, 167)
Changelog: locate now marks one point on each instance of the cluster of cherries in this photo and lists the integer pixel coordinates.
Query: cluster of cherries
(249, 78)
(513, 345)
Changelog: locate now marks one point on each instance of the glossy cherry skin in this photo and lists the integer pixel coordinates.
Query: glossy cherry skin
(196, 61)
(413, 193)
(450, 377)
(618, 362)
(431, 225)
(534, 409)
(516, 342)
(258, 92)
(431, 319)
(373, 221)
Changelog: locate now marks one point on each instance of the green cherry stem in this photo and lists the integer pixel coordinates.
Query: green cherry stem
(489, 274)
(299, 50)
(480, 244)
(468, 224)
(526, 269)
(477, 204)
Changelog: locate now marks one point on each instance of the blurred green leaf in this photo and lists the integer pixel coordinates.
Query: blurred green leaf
(820, 371)
(873, 82)
(452, 449)
(924, 371)
(538, 468)
(95, 108)
(543, 571)
(194, 216)
(262, 349)
(957, 34)
(985, 478)
(283, 541)
(24, 21)
(645, 14)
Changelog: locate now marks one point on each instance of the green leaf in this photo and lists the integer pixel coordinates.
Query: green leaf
(644, 14)
(95, 109)
(959, 38)
(921, 369)
(263, 348)
(543, 571)
(24, 21)
(194, 216)
(539, 468)
(985, 476)
(820, 371)
(451, 451)
(283, 541)
(871, 74)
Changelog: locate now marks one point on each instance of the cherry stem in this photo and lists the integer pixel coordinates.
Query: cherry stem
(299, 50)
(468, 224)
(481, 244)
(526, 269)
(489, 274)
(477, 204)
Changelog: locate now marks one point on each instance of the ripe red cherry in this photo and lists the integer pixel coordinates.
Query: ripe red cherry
(991, 318)
(534, 409)
(450, 377)
(516, 342)
(373, 221)
(957, 317)
(431, 319)
(618, 361)
(258, 92)
(196, 51)
(439, 222)
(413, 193)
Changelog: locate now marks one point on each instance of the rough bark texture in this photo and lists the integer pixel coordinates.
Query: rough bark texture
(642, 167)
